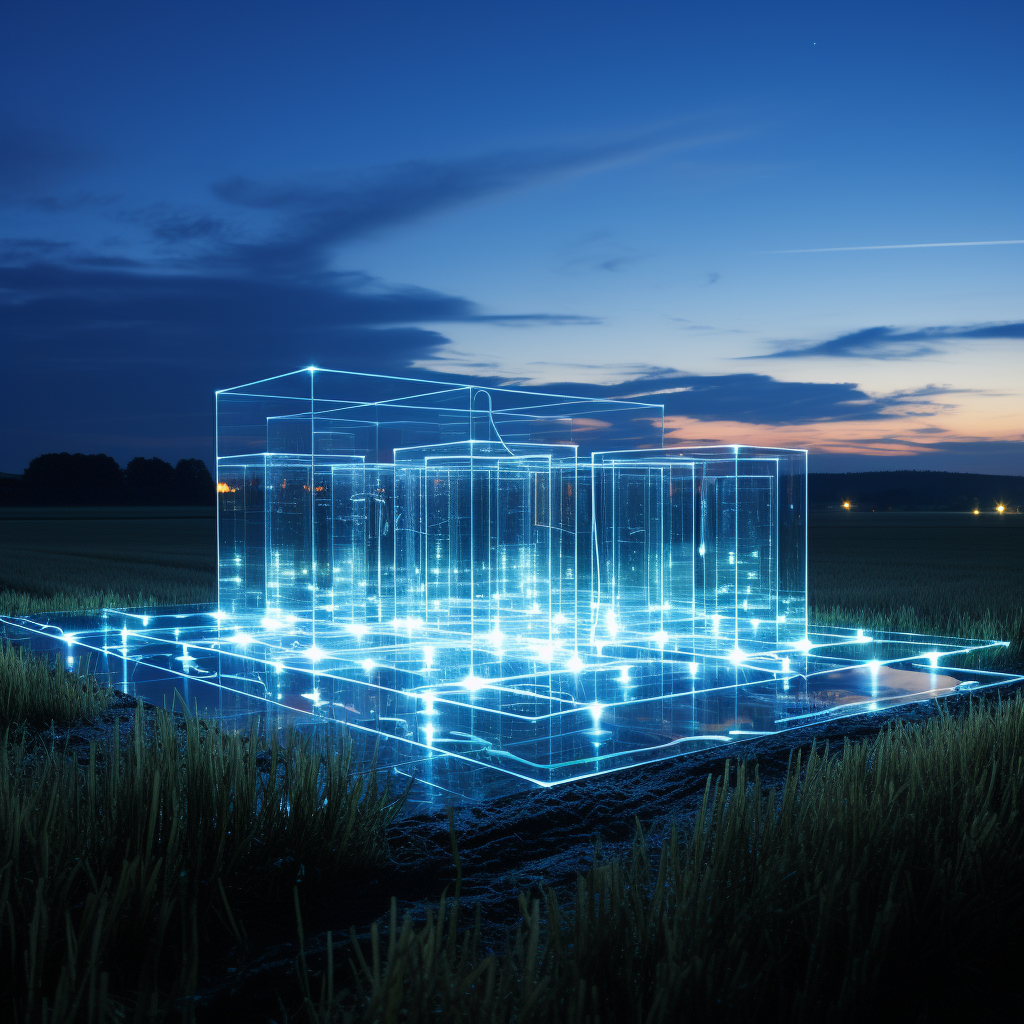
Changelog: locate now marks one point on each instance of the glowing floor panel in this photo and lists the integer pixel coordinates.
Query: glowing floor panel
(506, 710)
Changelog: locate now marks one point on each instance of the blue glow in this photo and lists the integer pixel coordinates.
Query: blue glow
(497, 560)
(527, 582)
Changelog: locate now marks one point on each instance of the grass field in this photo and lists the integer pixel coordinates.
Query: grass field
(885, 877)
(61, 559)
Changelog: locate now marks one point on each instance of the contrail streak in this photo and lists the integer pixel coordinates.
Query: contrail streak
(912, 245)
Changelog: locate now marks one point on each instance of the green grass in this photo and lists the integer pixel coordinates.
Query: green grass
(887, 877)
(118, 877)
(92, 558)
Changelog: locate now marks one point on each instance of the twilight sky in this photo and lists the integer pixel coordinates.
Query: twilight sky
(746, 208)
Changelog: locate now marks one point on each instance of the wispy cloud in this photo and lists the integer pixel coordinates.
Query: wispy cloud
(318, 217)
(909, 245)
(896, 342)
(758, 398)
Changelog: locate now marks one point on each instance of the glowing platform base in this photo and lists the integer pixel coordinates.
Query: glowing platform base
(507, 710)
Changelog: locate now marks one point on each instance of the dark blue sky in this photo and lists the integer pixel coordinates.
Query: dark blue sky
(747, 207)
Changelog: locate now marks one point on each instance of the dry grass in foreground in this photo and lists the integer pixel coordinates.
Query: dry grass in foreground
(885, 880)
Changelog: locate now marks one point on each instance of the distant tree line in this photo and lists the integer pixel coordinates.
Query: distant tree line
(64, 479)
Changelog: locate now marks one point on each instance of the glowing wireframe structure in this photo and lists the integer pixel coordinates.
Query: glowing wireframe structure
(529, 581)
(489, 578)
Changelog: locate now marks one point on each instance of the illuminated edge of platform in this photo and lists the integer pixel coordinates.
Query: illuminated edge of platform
(413, 758)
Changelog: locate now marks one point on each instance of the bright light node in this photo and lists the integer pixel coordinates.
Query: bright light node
(693, 668)
(933, 658)
(785, 664)
(661, 637)
(736, 656)
(241, 639)
(314, 653)
(69, 638)
(575, 663)
(428, 656)
(270, 624)
(803, 645)
(428, 703)
(624, 675)
(357, 628)
(368, 664)
(874, 665)
(559, 619)
(595, 712)
(472, 683)
(1000, 509)
(219, 615)
(846, 504)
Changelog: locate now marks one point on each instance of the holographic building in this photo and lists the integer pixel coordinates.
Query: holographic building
(529, 581)
(492, 586)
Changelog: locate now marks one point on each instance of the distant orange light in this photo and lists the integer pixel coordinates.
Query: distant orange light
(1000, 509)
(846, 504)
(976, 512)
(223, 488)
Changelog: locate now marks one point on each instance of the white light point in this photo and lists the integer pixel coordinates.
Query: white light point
(428, 703)
(933, 658)
(124, 636)
(754, 623)
(546, 653)
(575, 662)
(595, 710)
(71, 661)
(314, 653)
(278, 667)
(145, 621)
(428, 656)
(736, 656)
(69, 639)
(270, 624)
(785, 665)
(803, 645)
(874, 665)
(612, 623)
(368, 664)
(357, 628)
(219, 615)
(624, 675)
(472, 683)
(660, 638)
(693, 668)
(534, 609)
